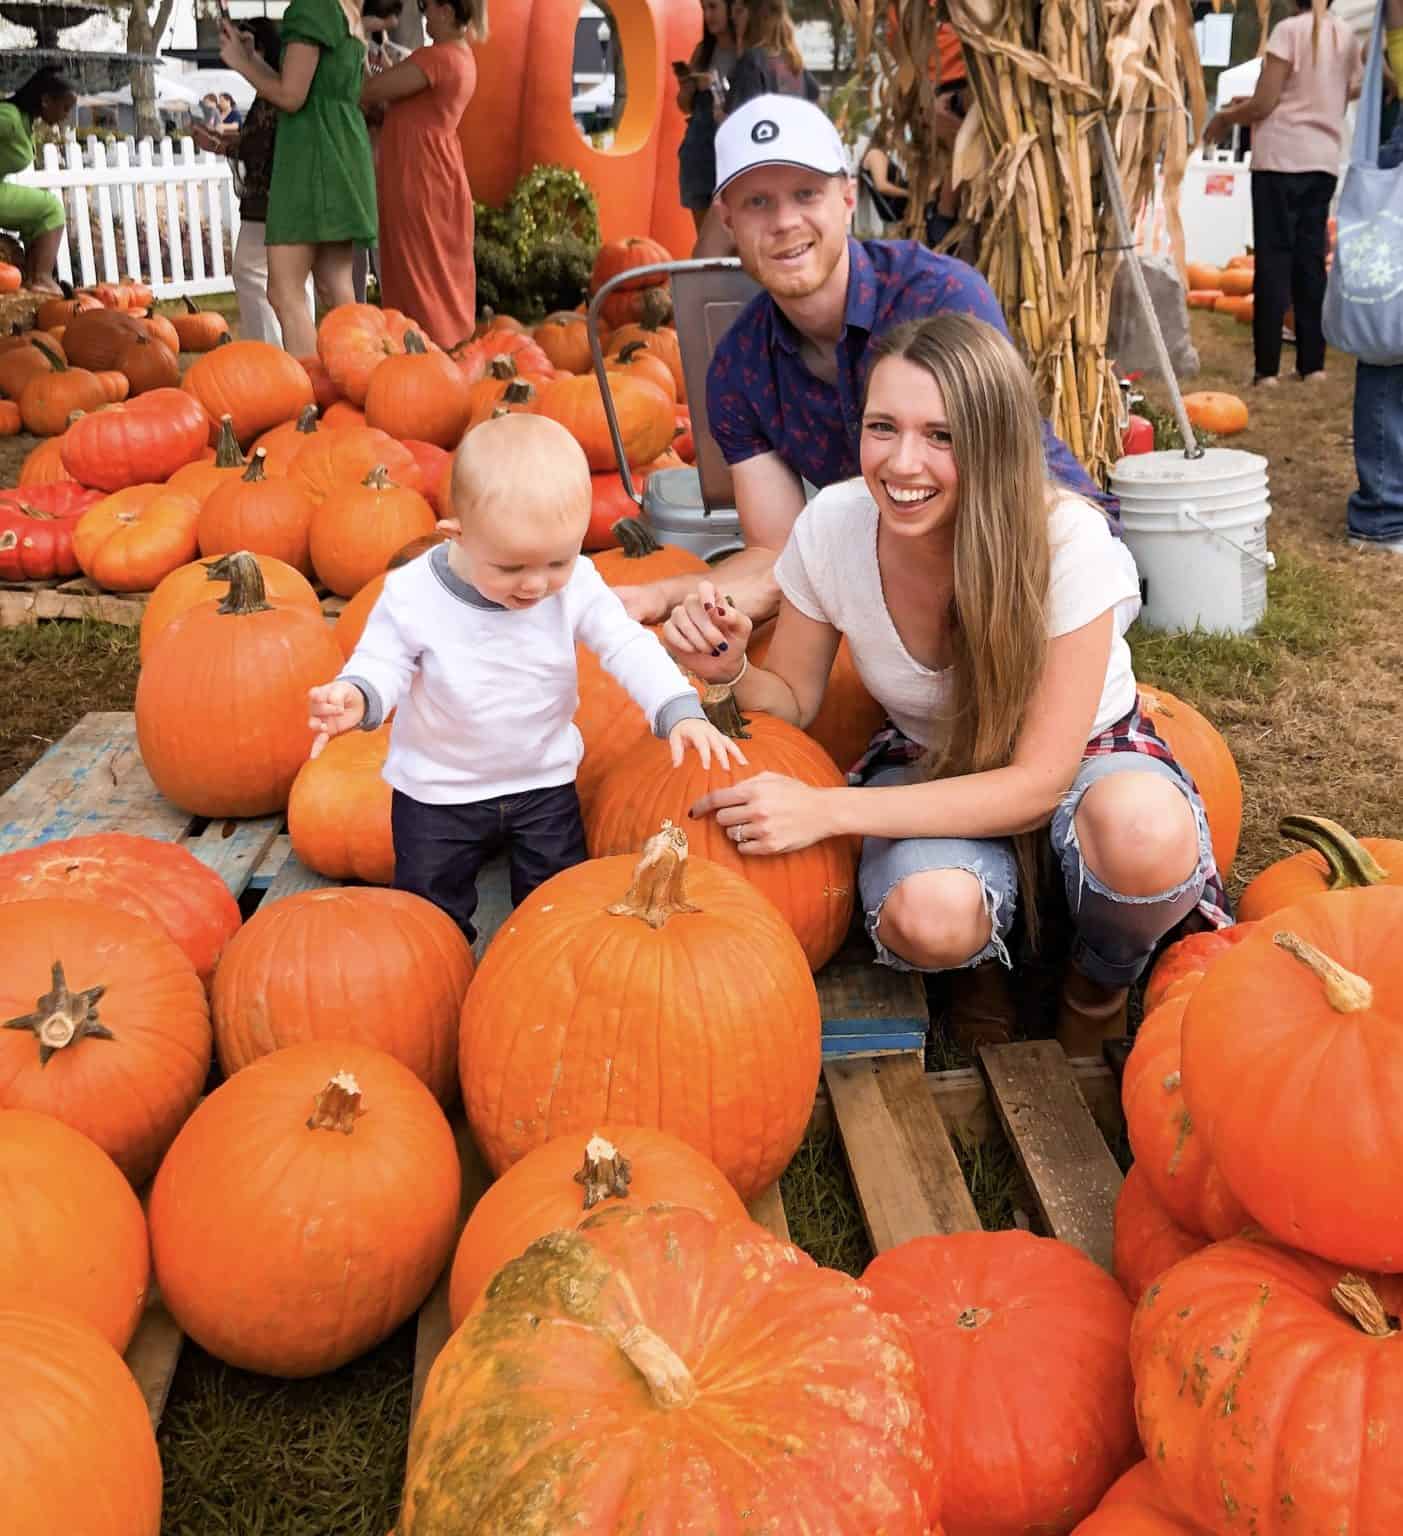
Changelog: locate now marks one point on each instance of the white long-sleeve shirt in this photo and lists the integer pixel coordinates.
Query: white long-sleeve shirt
(485, 694)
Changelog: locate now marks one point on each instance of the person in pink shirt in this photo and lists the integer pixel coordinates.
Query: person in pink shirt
(1313, 68)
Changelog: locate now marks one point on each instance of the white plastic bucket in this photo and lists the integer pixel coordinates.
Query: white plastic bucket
(1198, 531)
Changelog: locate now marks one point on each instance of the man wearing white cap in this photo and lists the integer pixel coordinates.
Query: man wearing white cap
(785, 387)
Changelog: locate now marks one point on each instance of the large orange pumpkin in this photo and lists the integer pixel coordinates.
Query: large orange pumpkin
(1168, 1140)
(257, 384)
(1333, 860)
(103, 1024)
(338, 814)
(713, 1017)
(1222, 414)
(384, 968)
(351, 621)
(77, 1451)
(1146, 1239)
(52, 395)
(129, 541)
(1021, 1348)
(1269, 1388)
(335, 459)
(1188, 956)
(561, 1184)
(658, 1373)
(354, 339)
(136, 443)
(640, 558)
(645, 416)
(221, 702)
(306, 1209)
(207, 581)
(74, 1235)
(812, 887)
(609, 722)
(97, 338)
(261, 514)
(354, 533)
(419, 394)
(1138, 1505)
(160, 883)
(1202, 752)
(1293, 1068)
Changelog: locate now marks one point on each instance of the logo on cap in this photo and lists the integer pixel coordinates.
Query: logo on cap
(764, 131)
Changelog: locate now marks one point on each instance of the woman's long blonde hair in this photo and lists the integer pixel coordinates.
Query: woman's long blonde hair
(998, 613)
(768, 26)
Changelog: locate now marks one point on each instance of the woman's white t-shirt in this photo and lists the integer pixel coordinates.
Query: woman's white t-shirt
(828, 570)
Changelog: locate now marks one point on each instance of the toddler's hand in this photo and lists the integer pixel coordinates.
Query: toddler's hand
(708, 635)
(333, 708)
(706, 741)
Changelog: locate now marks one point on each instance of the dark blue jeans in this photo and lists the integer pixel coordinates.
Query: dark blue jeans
(440, 849)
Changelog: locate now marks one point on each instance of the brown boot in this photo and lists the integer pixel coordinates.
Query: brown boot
(981, 1007)
(1088, 1014)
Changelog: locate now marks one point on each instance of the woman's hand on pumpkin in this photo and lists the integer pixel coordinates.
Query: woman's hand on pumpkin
(708, 634)
(770, 813)
(706, 741)
(332, 709)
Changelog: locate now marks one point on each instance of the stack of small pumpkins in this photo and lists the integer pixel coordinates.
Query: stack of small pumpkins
(1228, 289)
(1259, 1228)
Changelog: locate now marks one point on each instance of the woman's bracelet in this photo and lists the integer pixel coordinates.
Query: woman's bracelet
(744, 668)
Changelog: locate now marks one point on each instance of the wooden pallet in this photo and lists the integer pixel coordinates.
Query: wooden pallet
(27, 602)
(895, 1120)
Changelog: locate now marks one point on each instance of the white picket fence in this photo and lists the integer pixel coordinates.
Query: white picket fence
(162, 213)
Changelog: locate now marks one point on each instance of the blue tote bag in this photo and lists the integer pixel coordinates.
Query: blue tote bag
(1364, 294)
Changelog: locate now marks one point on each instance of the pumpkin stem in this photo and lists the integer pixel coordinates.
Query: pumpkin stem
(227, 454)
(721, 709)
(378, 479)
(502, 367)
(657, 307)
(660, 1366)
(973, 1317)
(1350, 862)
(191, 306)
(605, 1173)
(658, 891)
(307, 419)
(630, 350)
(338, 1106)
(518, 392)
(254, 473)
(414, 342)
(635, 538)
(246, 593)
(1344, 991)
(60, 1017)
(51, 357)
(1359, 1301)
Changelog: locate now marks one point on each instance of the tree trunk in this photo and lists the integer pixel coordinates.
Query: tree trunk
(144, 34)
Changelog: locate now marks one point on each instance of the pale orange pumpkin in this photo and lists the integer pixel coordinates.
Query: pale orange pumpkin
(338, 814)
(130, 541)
(270, 1214)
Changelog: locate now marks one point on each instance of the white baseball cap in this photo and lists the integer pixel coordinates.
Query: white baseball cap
(777, 130)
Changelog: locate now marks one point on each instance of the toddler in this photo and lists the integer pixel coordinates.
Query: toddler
(473, 644)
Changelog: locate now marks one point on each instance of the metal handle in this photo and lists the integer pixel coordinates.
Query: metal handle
(707, 264)
(1188, 510)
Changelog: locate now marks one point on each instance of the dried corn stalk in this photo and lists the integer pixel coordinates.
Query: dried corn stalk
(1029, 167)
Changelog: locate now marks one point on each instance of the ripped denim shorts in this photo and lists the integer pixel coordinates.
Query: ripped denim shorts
(1115, 934)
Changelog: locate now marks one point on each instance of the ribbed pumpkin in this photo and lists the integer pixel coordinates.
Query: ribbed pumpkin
(160, 883)
(645, 416)
(44, 465)
(1214, 410)
(474, 359)
(202, 478)
(609, 722)
(129, 541)
(335, 460)
(37, 523)
(281, 445)
(49, 398)
(1146, 1239)
(221, 702)
(563, 1183)
(1293, 1069)
(1199, 748)
(257, 384)
(149, 364)
(1189, 956)
(640, 558)
(77, 1451)
(207, 581)
(200, 330)
(261, 514)
(848, 717)
(354, 533)
(1269, 1388)
(354, 339)
(657, 1373)
(1021, 1350)
(812, 887)
(419, 394)
(142, 441)
(713, 1023)
(103, 1024)
(564, 338)
(384, 968)
(1333, 860)
(338, 814)
(97, 338)
(306, 1209)
(74, 1235)
(1168, 1140)
(1137, 1506)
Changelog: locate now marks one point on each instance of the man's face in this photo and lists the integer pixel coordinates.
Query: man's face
(790, 226)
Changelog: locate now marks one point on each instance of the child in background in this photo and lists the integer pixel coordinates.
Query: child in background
(473, 644)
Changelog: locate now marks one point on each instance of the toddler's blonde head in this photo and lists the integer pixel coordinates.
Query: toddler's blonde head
(524, 470)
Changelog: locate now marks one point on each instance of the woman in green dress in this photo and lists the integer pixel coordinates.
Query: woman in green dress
(321, 204)
(36, 216)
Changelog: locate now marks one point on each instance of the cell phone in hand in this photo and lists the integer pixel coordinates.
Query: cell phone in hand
(681, 68)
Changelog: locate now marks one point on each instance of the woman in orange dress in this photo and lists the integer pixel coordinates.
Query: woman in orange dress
(426, 206)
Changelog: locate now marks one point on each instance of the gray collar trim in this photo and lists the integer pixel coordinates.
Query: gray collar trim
(454, 584)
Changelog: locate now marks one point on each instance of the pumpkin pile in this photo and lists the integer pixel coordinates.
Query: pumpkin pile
(1227, 289)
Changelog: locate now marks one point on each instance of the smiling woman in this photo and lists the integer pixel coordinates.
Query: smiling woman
(984, 606)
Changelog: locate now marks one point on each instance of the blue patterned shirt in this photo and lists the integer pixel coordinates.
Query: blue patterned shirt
(761, 397)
